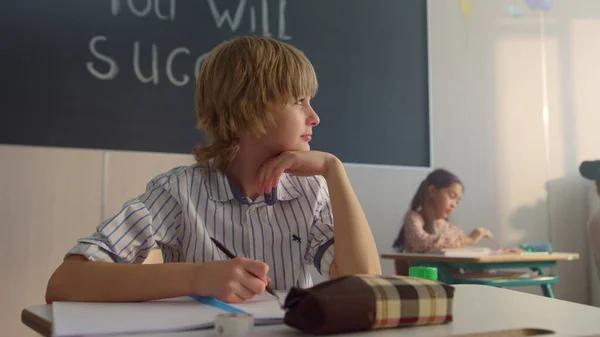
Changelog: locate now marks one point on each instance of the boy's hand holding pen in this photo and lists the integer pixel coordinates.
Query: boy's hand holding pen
(230, 255)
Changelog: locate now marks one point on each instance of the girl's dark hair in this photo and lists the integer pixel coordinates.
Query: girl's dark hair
(438, 178)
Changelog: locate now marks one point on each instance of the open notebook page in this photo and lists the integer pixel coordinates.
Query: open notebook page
(175, 314)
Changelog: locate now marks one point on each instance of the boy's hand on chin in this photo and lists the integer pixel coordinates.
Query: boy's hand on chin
(300, 163)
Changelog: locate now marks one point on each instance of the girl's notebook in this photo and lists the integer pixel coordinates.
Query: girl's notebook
(464, 252)
(176, 314)
(479, 252)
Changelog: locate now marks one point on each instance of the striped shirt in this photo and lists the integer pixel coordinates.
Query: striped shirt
(183, 208)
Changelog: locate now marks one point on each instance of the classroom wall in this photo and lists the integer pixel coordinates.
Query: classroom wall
(492, 78)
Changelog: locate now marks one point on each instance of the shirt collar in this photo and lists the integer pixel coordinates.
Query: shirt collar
(221, 189)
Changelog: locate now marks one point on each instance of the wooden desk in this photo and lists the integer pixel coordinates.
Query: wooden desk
(535, 262)
(476, 309)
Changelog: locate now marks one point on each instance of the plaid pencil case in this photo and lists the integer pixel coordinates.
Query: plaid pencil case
(367, 302)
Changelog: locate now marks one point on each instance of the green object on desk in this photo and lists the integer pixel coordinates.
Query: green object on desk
(544, 281)
(430, 273)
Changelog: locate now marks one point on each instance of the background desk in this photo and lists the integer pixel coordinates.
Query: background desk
(476, 309)
(535, 262)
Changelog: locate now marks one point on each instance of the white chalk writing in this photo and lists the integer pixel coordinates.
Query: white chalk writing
(151, 64)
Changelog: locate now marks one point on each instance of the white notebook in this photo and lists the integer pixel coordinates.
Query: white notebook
(175, 314)
(477, 252)
(464, 252)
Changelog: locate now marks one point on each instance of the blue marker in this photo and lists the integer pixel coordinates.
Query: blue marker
(537, 247)
(213, 302)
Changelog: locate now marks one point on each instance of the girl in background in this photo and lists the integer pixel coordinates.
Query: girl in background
(426, 225)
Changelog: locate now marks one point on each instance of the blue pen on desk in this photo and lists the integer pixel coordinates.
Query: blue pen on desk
(213, 302)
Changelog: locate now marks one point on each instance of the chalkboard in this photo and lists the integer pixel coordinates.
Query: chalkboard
(119, 74)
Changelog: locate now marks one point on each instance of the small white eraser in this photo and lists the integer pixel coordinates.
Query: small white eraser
(234, 324)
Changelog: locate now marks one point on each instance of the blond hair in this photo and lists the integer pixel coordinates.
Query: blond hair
(237, 83)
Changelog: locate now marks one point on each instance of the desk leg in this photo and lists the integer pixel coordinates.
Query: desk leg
(546, 288)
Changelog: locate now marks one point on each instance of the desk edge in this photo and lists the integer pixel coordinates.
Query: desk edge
(471, 259)
(36, 323)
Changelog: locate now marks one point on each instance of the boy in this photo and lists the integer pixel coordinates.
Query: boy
(257, 188)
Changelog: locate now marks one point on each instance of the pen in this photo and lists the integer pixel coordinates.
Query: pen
(231, 256)
(498, 246)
